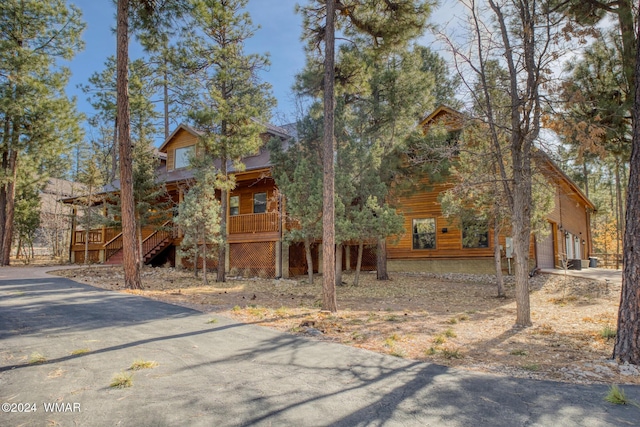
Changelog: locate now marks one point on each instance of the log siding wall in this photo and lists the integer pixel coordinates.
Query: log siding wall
(424, 204)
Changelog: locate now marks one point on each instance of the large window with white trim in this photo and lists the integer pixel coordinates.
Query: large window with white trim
(182, 156)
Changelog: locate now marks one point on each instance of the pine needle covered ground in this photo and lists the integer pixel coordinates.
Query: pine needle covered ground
(450, 319)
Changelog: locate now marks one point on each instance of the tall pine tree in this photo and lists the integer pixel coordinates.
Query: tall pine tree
(230, 103)
(34, 110)
(388, 23)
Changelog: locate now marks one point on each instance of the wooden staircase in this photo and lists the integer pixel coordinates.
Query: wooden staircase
(115, 259)
(155, 243)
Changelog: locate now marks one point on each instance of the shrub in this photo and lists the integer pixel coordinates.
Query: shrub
(448, 353)
(36, 358)
(398, 352)
(450, 333)
(358, 336)
(140, 364)
(121, 380)
(608, 332)
(439, 339)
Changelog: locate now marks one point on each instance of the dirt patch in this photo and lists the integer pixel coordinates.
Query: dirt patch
(451, 319)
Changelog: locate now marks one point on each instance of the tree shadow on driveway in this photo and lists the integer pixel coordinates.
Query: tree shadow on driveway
(235, 374)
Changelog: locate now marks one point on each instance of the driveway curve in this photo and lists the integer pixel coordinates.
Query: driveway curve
(213, 371)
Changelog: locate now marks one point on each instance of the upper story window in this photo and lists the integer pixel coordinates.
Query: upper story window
(424, 233)
(259, 202)
(234, 205)
(182, 155)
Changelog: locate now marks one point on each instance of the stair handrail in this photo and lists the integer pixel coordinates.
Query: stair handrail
(113, 246)
(156, 238)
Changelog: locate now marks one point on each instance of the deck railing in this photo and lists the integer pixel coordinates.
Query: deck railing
(95, 236)
(112, 246)
(254, 223)
(609, 260)
(157, 238)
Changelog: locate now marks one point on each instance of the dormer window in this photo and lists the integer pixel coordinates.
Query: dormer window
(182, 156)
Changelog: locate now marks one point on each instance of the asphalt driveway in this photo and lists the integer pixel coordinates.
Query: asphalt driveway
(223, 373)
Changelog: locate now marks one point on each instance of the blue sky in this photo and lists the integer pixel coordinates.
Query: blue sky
(279, 35)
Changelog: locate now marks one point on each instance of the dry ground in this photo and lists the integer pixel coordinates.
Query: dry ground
(454, 319)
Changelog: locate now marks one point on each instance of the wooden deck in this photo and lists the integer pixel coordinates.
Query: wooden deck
(254, 223)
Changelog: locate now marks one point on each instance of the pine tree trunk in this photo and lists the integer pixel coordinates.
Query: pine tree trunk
(339, 250)
(222, 248)
(86, 244)
(497, 257)
(205, 279)
(381, 260)
(114, 152)
(585, 174)
(165, 100)
(625, 14)
(356, 280)
(620, 211)
(130, 250)
(521, 220)
(3, 209)
(195, 263)
(329, 302)
(139, 239)
(307, 250)
(627, 346)
(10, 186)
(3, 187)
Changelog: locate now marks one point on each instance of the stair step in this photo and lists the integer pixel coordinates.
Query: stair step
(117, 258)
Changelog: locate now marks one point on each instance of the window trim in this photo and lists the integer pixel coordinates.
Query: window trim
(414, 235)
(188, 149)
(232, 207)
(261, 204)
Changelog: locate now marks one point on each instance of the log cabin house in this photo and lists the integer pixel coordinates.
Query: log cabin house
(433, 243)
(256, 221)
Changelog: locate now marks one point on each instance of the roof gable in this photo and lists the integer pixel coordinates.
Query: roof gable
(181, 127)
(450, 118)
(453, 120)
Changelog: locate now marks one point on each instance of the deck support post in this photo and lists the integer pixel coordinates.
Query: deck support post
(284, 264)
(227, 263)
(347, 256)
